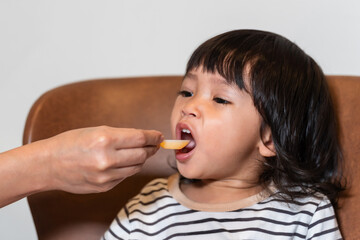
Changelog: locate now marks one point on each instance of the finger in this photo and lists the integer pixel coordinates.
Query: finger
(104, 187)
(115, 178)
(112, 184)
(110, 178)
(132, 156)
(153, 137)
(134, 138)
(117, 174)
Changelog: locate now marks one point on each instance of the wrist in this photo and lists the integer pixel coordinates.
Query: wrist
(44, 165)
(23, 172)
(38, 166)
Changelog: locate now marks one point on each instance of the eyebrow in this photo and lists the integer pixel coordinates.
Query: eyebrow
(190, 75)
(221, 81)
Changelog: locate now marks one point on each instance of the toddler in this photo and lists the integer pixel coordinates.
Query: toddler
(263, 158)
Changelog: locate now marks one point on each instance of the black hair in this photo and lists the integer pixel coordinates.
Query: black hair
(290, 92)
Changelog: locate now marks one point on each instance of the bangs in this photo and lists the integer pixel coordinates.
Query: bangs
(232, 55)
(219, 60)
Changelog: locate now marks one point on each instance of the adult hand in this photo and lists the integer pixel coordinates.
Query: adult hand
(84, 160)
(96, 159)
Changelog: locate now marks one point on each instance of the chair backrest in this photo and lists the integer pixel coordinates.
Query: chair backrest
(146, 103)
(143, 103)
(346, 94)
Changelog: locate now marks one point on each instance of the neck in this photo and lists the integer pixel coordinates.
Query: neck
(220, 191)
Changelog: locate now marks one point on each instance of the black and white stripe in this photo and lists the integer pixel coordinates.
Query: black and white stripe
(155, 214)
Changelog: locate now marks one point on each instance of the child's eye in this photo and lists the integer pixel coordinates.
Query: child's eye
(221, 101)
(184, 93)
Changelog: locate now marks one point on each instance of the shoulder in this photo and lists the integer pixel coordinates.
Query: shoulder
(155, 184)
(155, 188)
(153, 195)
(306, 210)
(307, 206)
(323, 224)
(310, 217)
(315, 210)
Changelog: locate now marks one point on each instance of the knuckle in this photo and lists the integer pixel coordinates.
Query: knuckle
(141, 138)
(102, 137)
(102, 163)
(100, 180)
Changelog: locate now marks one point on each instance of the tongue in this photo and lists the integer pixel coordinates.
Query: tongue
(192, 143)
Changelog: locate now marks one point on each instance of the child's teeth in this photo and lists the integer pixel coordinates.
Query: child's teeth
(186, 131)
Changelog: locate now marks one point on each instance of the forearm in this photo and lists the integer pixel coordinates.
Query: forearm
(23, 171)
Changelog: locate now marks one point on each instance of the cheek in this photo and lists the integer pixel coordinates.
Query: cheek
(232, 132)
(174, 118)
(216, 134)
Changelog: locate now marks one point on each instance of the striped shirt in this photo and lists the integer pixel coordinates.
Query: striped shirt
(161, 211)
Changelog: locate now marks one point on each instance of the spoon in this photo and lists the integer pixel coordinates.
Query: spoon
(174, 144)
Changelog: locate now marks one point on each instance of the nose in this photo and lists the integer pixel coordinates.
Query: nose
(187, 113)
(192, 108)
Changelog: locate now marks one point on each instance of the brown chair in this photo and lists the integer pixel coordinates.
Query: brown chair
(146, 103)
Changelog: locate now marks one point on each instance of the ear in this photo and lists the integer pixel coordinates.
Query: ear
(266, 145)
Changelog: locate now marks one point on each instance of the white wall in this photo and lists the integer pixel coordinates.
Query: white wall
(44, 44)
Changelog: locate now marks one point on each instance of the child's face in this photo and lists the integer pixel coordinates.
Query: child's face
(224, 126)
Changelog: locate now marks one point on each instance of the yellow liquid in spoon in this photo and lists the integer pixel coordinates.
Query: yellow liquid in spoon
(174, 144)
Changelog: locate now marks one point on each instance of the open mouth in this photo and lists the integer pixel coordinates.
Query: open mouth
(185, 134)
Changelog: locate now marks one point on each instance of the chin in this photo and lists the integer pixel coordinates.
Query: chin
(186, 174)
(189, 175)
